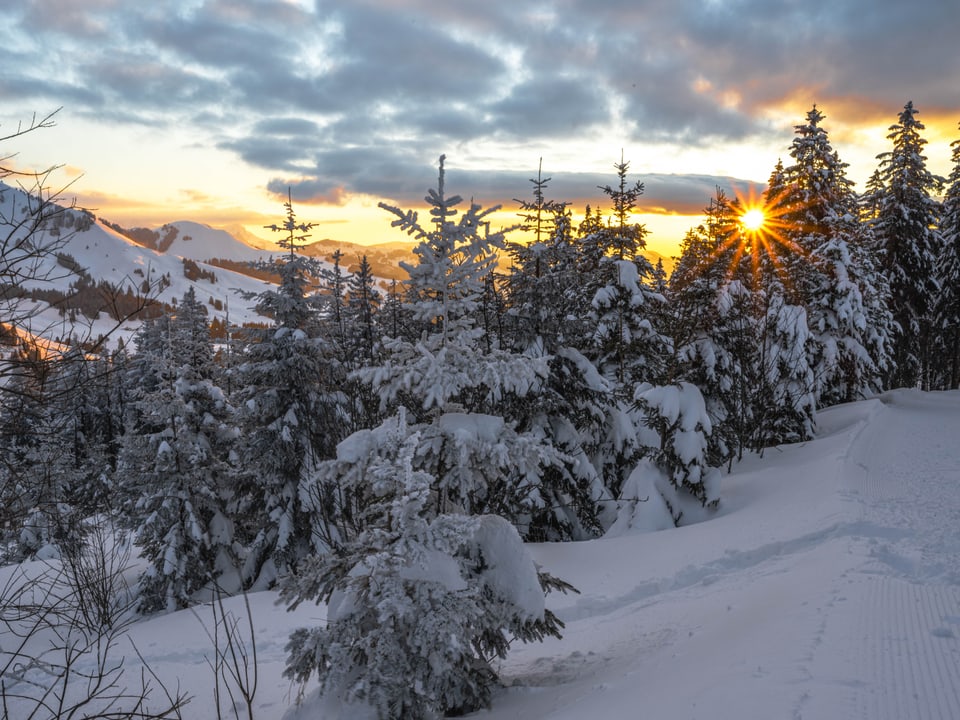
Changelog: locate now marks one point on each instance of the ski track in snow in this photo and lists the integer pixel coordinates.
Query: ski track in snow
(913, 665)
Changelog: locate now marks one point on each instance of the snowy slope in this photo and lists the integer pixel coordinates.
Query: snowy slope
(201, 242)
(827, 587)
(107, 255)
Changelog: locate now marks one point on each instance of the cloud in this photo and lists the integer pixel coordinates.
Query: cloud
(550, 106)
(310, 191)
(360, 96)
(668, 194)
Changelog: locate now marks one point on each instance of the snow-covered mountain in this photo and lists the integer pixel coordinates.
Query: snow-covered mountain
(200, 242)
(74, 249)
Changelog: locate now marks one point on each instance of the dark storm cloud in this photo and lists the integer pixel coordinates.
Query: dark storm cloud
(358, 96)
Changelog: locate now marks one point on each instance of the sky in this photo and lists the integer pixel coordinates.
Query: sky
(209, 110)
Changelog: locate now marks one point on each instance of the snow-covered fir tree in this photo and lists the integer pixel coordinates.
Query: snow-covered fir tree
(545, 316)
(421, 602)
(174, 471)
(946, 363)
(543, 278)
(712, 324)
(363, 302)
(626, 347)
(786, 406)
(334, 282)
(33, 466)
(784, 399)
(906, 230)
(834, 274)
(74, 452)
(457, 389)
(287, 416)
(678, 415)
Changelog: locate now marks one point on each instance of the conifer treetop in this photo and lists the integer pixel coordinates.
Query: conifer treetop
(296, 232)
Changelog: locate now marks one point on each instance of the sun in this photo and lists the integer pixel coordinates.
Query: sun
(753, 219)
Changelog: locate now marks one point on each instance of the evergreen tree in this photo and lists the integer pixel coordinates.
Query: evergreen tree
(460, 390)
(678, 415)
(288, 417)
(786, 407)
(334, 288)
(190, 335)
(544, 289)
(626, 347)
(363, 304)
(420, 602)
(947, 362)
(184, 479)
(905, 229)
(834, 270)
(711, 320)
(174, 471)
(543, 279)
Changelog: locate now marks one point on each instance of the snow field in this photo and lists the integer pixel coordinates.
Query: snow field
(826, 587)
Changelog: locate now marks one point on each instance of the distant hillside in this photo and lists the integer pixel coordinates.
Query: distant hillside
(192, 240)
(384, 259)
(96, 273)
(86, 278)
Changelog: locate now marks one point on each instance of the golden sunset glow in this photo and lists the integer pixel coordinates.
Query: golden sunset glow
(761, 231)
(344, 136)
(753, 219)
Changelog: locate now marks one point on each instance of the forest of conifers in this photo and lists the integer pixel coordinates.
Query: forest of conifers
(374, 442)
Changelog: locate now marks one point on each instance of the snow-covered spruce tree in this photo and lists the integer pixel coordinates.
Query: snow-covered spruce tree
(190, 333)
(420, 602)
(905, 228)
(362, 337)
(712, 327)
(70, 460)
(455, 387)
(363, 302)
(287, 415)
(784, 398)
(787, 407)
(947, 359)
(545, 318)
(833, 270)
(174, 471)
(621, 341)
(740, 331)
(625, 346)
(544, 280)
(333, 289)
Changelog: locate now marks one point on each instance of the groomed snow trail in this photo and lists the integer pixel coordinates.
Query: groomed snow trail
(828, 587)
(908, 611)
